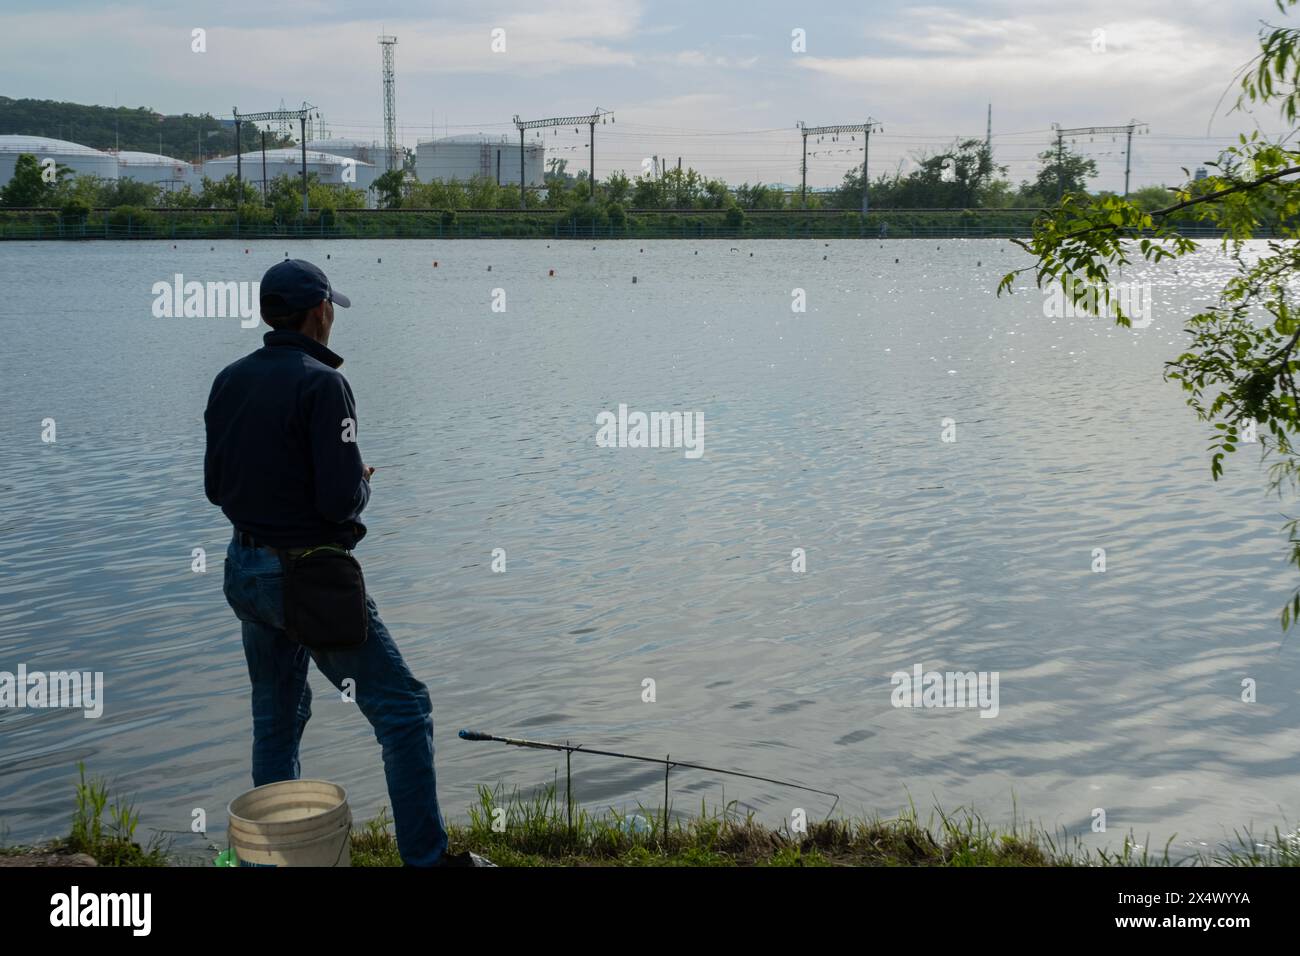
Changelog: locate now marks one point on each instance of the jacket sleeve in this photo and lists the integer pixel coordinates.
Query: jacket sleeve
(211, 457)
(341, 490)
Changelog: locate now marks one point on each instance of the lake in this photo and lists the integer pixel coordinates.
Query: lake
(948, 461)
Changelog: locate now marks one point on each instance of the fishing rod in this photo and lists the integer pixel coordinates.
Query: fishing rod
(668, 763)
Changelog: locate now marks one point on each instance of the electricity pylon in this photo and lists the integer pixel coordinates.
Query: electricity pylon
(1089, 131)
(866, 129)
(597, 117)
(390, 106)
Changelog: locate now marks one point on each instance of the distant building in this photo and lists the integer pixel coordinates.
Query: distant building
(154, 168)
(1200, 173)
(478, 155)
(360, 150)
(82, 160)
(287, 161)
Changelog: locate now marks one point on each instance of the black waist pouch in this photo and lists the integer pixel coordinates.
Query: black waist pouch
(324, 599)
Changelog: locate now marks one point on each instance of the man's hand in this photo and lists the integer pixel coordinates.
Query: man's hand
(366, 472)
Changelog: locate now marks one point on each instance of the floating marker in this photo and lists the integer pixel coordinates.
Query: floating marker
(895, 262)
(489, 268)
(551, 273)
(327, 255)
(978, 263)
(823, 258)
(379, 259)
(634, 280)
(435, 263)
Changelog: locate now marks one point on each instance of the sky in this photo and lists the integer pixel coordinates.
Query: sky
(720, 84)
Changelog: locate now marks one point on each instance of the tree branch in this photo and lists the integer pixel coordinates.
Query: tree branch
(1231, 189)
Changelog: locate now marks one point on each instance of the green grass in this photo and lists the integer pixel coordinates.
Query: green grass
(111, 842)
(537, 830)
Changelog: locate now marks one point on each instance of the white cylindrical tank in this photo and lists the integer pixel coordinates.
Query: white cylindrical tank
(477, 155)
(287, 161)
(154, 168)
(82, 160)
(366, 152)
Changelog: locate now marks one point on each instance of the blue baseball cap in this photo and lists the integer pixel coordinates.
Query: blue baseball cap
(295, 284)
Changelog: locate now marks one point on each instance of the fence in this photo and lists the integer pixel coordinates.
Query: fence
(515, 224)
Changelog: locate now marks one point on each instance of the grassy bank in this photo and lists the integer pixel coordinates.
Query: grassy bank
(537, 830)
(103, 830)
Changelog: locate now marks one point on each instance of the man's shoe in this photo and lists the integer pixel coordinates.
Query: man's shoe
(465, 859)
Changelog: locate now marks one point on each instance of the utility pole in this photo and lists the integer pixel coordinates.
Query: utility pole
(866, 129)
(302, 128)
(591, 120)
(1128, 155)
(239, 162)
(1060, 163)
(1129, 129)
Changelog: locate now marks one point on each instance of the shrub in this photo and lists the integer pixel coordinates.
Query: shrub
(74, 212)
(617, 216)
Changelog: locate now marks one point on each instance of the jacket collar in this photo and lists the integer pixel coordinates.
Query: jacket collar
(278, 338)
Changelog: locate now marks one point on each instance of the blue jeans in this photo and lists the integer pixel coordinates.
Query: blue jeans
(396, 704)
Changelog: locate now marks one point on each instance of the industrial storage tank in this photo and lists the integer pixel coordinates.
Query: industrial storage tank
(366, 152)
(478, 155)
(82, 160)
(287, 161)
(154, 168)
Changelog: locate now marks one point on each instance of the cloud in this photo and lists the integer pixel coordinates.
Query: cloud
(1143, 64)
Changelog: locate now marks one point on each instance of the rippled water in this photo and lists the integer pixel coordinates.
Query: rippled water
(1118, 690)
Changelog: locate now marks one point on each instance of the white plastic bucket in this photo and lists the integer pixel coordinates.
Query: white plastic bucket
(292, 823)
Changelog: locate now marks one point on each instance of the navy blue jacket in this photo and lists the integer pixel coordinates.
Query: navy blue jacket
(277, 462)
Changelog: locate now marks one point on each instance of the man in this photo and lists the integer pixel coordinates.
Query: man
(283, 465)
